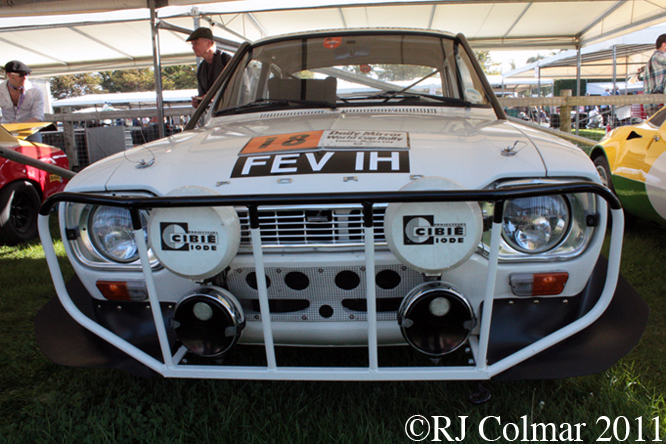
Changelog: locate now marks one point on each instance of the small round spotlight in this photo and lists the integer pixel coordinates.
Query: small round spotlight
(209, 321)
(435, 319)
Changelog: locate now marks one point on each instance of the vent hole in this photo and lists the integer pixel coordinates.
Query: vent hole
(347, 280)
(296, 280)
(388, 279)
(251, 280)
(326, 311)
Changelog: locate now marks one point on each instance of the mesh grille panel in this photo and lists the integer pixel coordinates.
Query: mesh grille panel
(347, 304)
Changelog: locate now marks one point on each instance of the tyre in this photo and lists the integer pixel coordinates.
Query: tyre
(603, 169)
(19, 208)
(601, 164)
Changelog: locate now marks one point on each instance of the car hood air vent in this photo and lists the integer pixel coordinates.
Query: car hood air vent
(394, 110)
(295, 113)
(360, 110)
(634, 135)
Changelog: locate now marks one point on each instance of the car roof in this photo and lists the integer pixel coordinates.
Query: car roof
(353, 31)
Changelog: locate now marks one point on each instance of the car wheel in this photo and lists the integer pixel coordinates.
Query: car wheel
(19, 208)
(601, 164)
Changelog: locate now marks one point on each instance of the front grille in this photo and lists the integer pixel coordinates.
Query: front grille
(293, 227)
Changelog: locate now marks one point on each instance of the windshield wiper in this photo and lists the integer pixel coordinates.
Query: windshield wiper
(265, 103)
(388, 95)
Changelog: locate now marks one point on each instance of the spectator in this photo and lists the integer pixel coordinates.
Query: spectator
(20, 101)
(654, 74)
(213, 62)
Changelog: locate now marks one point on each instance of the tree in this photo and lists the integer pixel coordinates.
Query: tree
(75, 85)
(538, 57)
(131, 80)
(487, 64)
(179, 77)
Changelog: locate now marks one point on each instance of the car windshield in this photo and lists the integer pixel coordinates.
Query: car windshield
(353, 70)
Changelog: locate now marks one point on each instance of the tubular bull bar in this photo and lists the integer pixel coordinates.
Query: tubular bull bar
(170, 365)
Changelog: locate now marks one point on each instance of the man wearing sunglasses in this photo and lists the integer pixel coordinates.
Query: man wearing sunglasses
(20, 101)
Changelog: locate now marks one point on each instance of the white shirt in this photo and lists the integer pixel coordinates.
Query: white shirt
(31, 106)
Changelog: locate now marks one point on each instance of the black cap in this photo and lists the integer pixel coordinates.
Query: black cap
(16, 66)
(200, 33)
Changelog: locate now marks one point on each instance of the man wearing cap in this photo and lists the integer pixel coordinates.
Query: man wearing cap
(213, 62)
(20, 101)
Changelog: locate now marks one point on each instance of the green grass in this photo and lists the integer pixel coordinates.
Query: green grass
(41, 402)
(594, 134)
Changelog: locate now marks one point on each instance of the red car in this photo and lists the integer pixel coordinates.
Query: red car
(22, 187)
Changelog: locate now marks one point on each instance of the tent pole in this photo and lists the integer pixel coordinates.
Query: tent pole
(578, 70)
(539, 95)
(157, 66)
(614, 81)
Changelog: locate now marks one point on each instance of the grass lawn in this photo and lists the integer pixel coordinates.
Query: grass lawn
(41, 402)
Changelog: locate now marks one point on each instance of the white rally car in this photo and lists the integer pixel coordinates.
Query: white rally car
(357, 190)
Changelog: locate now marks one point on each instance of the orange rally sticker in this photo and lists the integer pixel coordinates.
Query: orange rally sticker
(282, 142)
(332, 42)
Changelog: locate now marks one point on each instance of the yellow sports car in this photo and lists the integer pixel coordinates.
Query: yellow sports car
(631, 161)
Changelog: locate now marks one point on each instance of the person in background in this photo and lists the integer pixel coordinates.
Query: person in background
(654, 74)
(20, 101)
(213, 62)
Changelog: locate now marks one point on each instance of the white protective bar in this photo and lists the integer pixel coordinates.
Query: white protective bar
(264, 308)
(73, 310)
(579, 324)
(153, 297)
(370, 297)
(489, 296)
(479, 349)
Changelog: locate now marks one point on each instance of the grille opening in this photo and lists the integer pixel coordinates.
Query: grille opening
(297, 280)
(383, 304)
(251, 280)
(294, 227)
(347, 280)
(388, 279)
(277, 305)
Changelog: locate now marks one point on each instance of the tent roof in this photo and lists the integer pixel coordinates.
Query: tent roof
(631, 52)
(57, 36)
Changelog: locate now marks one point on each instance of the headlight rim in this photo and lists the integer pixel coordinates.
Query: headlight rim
(512, 243)
(95, 243)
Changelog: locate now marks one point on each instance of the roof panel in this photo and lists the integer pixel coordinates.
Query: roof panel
(468, 19)
(558, 18)
(411, 16)
(51, 45)
(284, 22)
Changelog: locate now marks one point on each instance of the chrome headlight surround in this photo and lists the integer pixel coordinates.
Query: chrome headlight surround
(536, 224)
(112, 235)
(87, 248)
(571, 242)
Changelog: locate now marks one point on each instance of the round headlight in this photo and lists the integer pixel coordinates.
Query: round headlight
(112, 234)
(536, 224)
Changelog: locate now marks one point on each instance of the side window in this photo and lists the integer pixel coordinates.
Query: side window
(659, 118)
(250, 82)
(472, 88)
(242, 87)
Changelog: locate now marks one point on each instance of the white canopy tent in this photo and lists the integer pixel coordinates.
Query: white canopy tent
(620, 57)
(55, 37)
(65, 36)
